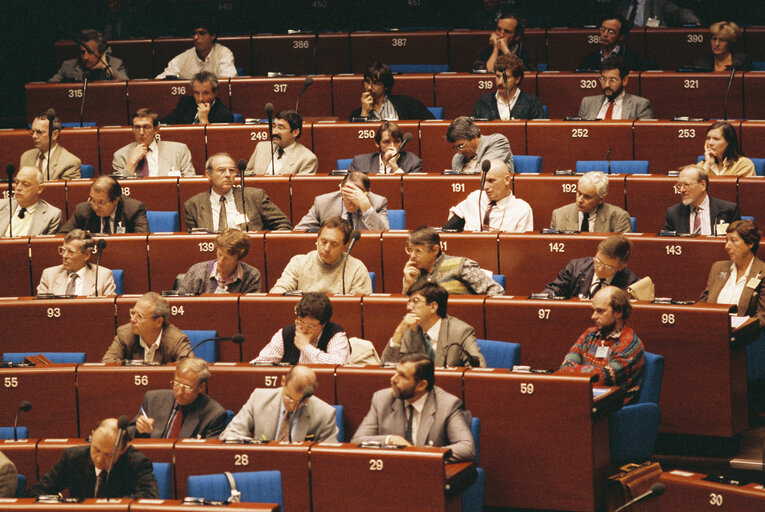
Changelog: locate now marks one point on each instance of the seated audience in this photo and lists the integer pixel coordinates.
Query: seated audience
(107, 211)
(76, 275)
(698, 212)
(354, 202)
(655, 13)
(203, 107)
(457, 274)
(150, 156)
(389, 159)
(291, 156)
(739, 280)
(583, 277)
(723, 37)
(377, 102)
(31, 215)
(496, 105)
(472, 148)
(51, 157)
(615, 102)
(225, 274)
(149, 337)
(95, 62)
(612, 37)
(206, 55)
(325, 269)
(507, 39)
(590, 212)
(722, 154)
(501, 210)
(312, 339)
(221, 206)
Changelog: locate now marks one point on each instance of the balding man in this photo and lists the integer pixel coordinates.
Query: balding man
(106, 211)
(495, 208)
(472, 148)
(590, 212)
(697, 212)
(84, 469)
(31, 215)
(289, 413)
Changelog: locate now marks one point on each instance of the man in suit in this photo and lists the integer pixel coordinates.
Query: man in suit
(416, 412)
(183, 412)
(590, 212)
(377, 102)
(221, 206)
(427, 329)
(75, 275)
(612, 35)
(283, 154)
(8, 477)
(655, 13)
(149, 336)
(106, 211)
(55, 162)
(520, 105)
(148, 156)
(95, 62)
(203, 107)
(389, 159)
(507, 39)
(289, 413)
(614, 103)
(365, 210)
(698, 212)
(84, 469)
(583, 277)
(472, 148)
(31, 215)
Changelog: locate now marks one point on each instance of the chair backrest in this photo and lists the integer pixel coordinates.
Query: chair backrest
(238, 118)
(21, 487)
(397, 219)
(229, 416)
(500, 279)
(87, 171)
(339, 415)
(119, 280)
(633, 224)
(759, 166)
(500, 354)
(7, 432)
(76, 124)
(653, 373)
(344, 163)
(373, 278)
(527, 163)
(54, 357)
(255, 486)
(475, 430)
(438, 112)
(617, 166)
(164, 222)
(208, 351)
(419, 68)
(164, 477)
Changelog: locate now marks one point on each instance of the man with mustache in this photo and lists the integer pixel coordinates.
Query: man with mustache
(614, 103)
(698, 212)
(289, 156)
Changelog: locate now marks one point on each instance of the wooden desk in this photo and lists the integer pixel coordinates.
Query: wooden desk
(144, 505)
(17, 280)
(105, 104)
(23, 454)
(692, 94)
(688, 491)
(250, 95)
(91, 505)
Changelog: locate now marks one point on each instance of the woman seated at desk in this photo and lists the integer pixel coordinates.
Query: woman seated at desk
(723, 37)
(722, 154)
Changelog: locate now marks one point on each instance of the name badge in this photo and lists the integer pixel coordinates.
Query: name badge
(239, 218)
(120, 229)
(173, 172)
(753, 283)
(721, 228)
(602, 352)
(652, 22)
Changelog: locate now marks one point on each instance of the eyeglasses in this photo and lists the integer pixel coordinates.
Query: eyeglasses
(684, 185)
(39, 133)
(459, 147)
(415, 300)
(599, 263)
(608, 31)
(609, 80)
(182, 387)
(100, 203)
(417, 251)
(303, 325)
(63, 251)
(200, 33)
(135, 314)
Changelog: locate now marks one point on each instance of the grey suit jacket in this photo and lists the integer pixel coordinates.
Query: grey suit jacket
(262, 214)
(370, 162)
(63, 164)
(173, 345)
(442, 423)
(171, 155)
(46, 220)
(608, 219)
(299, 160)
(8, 477)
(752, 300)
(633, 107)
(452, 333)
(203, 418)
(331, 204)
(491, 147)
(55, 279)
(259, 419)
(72, 71)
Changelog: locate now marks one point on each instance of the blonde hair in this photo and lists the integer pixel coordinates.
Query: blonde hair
(726, 30)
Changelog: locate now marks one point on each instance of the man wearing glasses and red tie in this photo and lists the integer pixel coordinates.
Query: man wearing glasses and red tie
(614, 103)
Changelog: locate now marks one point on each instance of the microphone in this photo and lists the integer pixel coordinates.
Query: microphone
(354, 236)
(406, 138)
(507, 90)
(656, 489)
(51, 115)
(306, 84)
(237, 338)
(25, 406)
(308, 392)
(727, 92)
(100, 246)
(471, 360)
(122, 424)
(485, 166)
(270, 114)
(242, 165)
(9, 170)
(608, 157)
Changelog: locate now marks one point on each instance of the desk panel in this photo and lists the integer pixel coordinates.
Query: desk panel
(347, 89)
(239, 141)
(688, 44)
(333, 49)
(54, 193)
(389, 187)
(17, 281)
(162, 96)
(750, 194)
(691, 94)
(138, 55)
(754, 89)
(422, 46)
(753, 138)
(566, 47)
(427, 199)
(305, 189)
(652, 140)
(178, 506)
(286, 53)
(562, 91)
(685, 488)
(23, 454)
(105, 102)
(91, 505)
(250, 95)
(157, 193)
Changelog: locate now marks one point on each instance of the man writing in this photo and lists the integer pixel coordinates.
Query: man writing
(55, 162)
(31, 215)
(203, 107)
(471, 148)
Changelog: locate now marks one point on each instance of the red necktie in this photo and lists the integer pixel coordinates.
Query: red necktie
(610, 111)
(143, 168)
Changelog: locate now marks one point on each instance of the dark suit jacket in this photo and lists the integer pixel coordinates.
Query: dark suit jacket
(186, 110)
(591, 61)
(173, 346)
(752, 300)
(262, 214)
(130, 213)
(202, 418)
(406, 108)
(576, 279)
(132, 476)
(528, 106)
(678, 216)
(740, 61)
(369, 163)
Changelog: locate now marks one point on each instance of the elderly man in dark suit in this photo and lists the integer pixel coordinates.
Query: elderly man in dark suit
(389, 159)
(614, 103)
(520, 105)
(698, 212)
(107, 211)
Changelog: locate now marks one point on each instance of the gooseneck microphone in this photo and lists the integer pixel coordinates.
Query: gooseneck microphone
(10, 169)
(354, 237)
(51, 115)
(25, 406)
(100, 246)
(656, 489)
(242, 165)
(122, 424)
(485, 166)
(270, 114)
(727, 92)
(308, 392)
(308, 83)
(237, 338)
(472, 361)
(507, 91)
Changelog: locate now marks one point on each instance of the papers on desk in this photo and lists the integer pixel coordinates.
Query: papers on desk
(596, 392)
(737, 321)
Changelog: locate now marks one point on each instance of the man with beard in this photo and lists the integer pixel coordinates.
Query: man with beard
(288, 155)
(614, 103)
(610, 350)
(698, 213)
(416, 412)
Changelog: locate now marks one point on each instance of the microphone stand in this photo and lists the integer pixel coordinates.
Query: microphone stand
(242, 165)
(85, 75)
(236, 338)
(51, 115)
(354, 236)
(307, 393)
(100, 246)
(9, 170)
(727, 92)
(270, 114)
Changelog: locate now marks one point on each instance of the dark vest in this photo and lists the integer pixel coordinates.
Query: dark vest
(291, 352)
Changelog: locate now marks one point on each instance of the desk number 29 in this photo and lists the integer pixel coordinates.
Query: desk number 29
(375, 465)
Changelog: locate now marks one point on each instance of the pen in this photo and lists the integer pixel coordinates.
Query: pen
(144, 413)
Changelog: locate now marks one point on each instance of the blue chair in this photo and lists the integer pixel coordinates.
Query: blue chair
(255, 486)
(545, 109)
(438, 112)
(87, 171)
(617, 166)
(747, 217)
(633, 224)
(373, 278)
(54, 357)
(119, 279)
(419, 68)
(7, 432)
(339, 415)
(229, 416)
(238, 118)
(475, 430)
(397, 219)
(21, 488)
(500, 279)
(163, 222)
(500, 354)
(208, 351)
(163, 475)
(633, 429)
(239, 71)
(85, 124)
(758, 65)
(472, 498)
(527, 163)
(343, 163)
(759, 166)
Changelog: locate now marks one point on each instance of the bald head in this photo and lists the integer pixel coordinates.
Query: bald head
(102, 443)
(28, 186)
(301, 377)
(498, 181)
